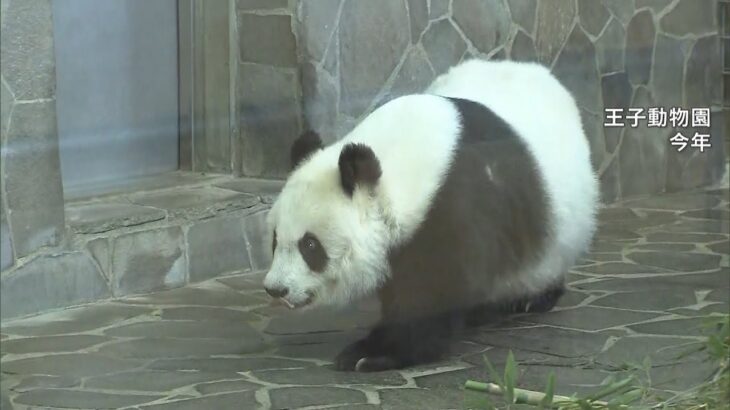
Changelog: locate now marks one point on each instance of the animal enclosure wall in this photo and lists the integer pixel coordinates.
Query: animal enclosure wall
(264, 71)
(611, 55)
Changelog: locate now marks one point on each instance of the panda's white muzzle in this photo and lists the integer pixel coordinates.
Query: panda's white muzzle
(289, 281)
(284, 301)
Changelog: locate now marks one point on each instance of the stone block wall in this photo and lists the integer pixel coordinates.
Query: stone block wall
(355, 55)
(56, 253)
(268, 86)
(31, 209)
(325, 64)
(144, 242)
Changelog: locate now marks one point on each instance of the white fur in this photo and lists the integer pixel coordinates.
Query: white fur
(545, 116)
(414, 138)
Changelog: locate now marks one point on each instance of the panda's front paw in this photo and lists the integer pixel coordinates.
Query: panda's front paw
(349, 356)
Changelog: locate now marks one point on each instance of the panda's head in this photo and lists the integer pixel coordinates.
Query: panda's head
(327, 226)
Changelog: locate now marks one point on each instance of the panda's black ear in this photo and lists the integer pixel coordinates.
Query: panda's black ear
(358, 166)
(303, 147)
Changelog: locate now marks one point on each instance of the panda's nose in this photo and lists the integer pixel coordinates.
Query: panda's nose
(277, 292)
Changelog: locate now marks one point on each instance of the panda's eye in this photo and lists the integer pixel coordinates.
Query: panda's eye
(310, 244)
(313, 253)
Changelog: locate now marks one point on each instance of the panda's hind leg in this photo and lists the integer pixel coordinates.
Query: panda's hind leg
(541, 302)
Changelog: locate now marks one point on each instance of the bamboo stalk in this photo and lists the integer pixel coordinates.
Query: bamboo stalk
(522, 396)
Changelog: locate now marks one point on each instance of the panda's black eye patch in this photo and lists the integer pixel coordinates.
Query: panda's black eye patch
(313, 253)
(273, 243)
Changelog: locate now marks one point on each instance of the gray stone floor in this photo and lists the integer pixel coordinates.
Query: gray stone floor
(658, 265)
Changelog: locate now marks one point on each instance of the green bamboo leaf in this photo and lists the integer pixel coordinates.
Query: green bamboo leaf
(496, 378)
(510, 376)
(717, 322)
(646, 364)
(547, 401)
(612, 388)
(608, 380)
(479, 400)
(716, 346)
(627, 398)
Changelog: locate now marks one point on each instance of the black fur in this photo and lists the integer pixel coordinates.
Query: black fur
(273, 243)
(421, 340)
(401, 344)
(358, 165)
(304, 146)
(482, 226)
(312, 252)
(539, 303)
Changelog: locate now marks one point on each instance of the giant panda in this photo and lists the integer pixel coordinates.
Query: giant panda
(464, 202)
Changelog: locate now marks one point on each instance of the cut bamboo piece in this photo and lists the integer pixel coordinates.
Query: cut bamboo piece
(522, 396)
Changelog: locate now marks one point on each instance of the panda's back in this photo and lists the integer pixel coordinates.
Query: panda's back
(515, 200)
(546, 118)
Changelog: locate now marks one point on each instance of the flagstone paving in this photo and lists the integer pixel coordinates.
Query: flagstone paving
(658, 266)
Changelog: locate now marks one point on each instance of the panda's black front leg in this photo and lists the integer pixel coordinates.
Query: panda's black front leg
(401, 344)
(348, 358)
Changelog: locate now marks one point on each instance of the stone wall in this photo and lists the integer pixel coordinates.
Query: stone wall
(324, 64)
(724, 17)
(611, 54)
(143, 242)
(267, 86)
(31, 209)
(56, 254)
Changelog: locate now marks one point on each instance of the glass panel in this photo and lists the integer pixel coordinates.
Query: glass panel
(117, 90)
